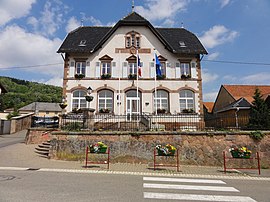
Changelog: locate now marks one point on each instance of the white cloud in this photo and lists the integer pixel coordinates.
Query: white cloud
(13, 9)
(213, 56)
(208, 76)
(51, 18)
(210, 97)
(161, 9)
(218, 35)
(261, 78)
(224, 3)
(72, 24)
(27, 49)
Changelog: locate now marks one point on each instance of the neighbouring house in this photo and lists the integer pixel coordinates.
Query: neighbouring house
(42, 109)
(207, 108)
(232, 105)
(119, 66)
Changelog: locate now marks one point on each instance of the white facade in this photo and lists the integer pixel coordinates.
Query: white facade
(115, 52)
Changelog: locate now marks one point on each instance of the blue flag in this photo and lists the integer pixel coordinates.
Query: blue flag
(158, 65)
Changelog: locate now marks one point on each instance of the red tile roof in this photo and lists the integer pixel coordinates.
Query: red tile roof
(246, 91)
(209, 106)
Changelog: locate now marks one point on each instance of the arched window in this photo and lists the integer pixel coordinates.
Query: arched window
(186, 100)
(105, 101)
(78, 99)
(161, 102)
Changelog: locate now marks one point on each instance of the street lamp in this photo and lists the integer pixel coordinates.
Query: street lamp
(89, 90)
(88, 97)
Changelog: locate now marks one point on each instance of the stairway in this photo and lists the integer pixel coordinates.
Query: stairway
(43, 149)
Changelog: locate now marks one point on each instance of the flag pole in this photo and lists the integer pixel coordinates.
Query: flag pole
(155, 99)
(138, 103)
(119, 88)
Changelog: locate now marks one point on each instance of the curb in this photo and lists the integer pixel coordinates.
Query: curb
(134, 173)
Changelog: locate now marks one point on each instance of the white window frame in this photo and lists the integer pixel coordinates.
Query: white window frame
(81, 104)
(106, 99)
(158, 101)
(132, 68)
(186, 99)
(107, 67)
(185, 68)
(80, 67)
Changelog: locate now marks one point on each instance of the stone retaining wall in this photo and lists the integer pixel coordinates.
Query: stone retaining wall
(197, 148)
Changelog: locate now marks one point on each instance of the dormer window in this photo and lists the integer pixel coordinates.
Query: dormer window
(82, 43)
(182, 44)
(133, 39)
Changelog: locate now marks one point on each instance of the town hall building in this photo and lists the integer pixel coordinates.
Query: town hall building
(118, 66)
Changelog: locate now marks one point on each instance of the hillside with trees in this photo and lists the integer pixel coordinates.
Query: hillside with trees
(21, 93)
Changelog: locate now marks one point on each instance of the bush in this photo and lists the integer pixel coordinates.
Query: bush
(257, 135)
(13, 114)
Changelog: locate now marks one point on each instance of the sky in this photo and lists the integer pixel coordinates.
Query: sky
(234, 32)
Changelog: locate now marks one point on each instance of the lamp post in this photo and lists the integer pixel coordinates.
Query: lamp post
(88, 97)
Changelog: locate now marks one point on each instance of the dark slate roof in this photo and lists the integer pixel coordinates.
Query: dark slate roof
(241, 103)
(42, 106)
(95, 37)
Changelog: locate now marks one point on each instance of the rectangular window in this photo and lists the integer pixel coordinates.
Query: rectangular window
(185, 69)
(128, 42)
(106, 68)
(138, 42)
(80, 67)
(132, 68)
(163, 68)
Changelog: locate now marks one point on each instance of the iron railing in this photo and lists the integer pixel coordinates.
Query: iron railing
(134, 122)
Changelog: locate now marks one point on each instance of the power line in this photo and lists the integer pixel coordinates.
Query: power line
(239, 63)
(29, 66)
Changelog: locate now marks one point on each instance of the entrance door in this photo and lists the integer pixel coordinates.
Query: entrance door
(133, 108)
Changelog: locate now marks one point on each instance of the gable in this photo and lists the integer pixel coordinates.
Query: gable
(224, 98)
(90, 39)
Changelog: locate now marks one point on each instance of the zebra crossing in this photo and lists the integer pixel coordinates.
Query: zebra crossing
(183, 189)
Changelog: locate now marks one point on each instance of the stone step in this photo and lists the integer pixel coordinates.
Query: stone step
(42, 149)
(44, 153)
(44, 146)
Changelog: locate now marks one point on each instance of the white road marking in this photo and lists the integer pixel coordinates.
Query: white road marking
(196, 197)
(190, 187)
(162, 179)
(13, 168)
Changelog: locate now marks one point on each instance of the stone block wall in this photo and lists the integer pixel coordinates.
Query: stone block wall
(197, 148)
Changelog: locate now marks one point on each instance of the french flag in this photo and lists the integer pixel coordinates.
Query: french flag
(139, 66)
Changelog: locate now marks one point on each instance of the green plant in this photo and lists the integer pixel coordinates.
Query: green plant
(12, 114)
(257, 135)
(106, 76)
(79, 76)
(160, 77)
(132, 76)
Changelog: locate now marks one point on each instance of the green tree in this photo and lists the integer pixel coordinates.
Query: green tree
(259, 113)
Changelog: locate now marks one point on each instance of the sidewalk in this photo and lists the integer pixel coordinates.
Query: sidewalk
(24, 156)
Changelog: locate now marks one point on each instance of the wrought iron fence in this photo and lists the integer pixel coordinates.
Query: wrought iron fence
(134, 122)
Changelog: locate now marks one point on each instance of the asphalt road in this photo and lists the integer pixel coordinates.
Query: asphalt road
(6, 140)
(34, 185)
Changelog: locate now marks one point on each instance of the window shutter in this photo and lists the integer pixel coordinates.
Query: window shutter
(193, 70)
(177, 70)
(125, 70)
(114, 70)
(87, 71)
(152, 69)
(97, 69)
(168, 70)
(71, 68)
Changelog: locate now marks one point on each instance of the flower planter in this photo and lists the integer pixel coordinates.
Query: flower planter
(161, 153)
(243, 155)
(99, 148)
